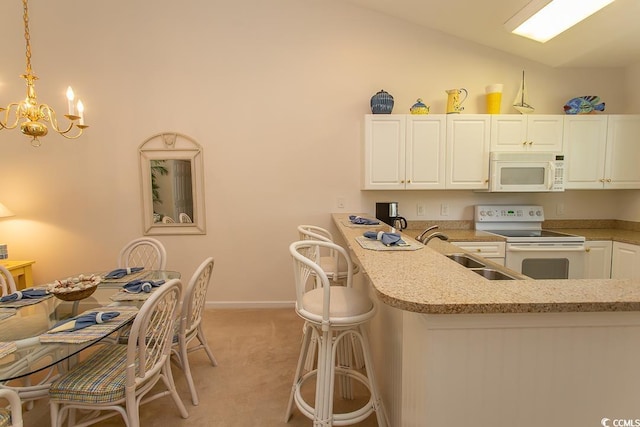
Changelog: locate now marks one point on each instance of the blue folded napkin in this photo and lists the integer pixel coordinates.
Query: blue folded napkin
(388, 239)
(26, 294)
(137, 286)
(119, 273)
(360, 220)
(85, 320)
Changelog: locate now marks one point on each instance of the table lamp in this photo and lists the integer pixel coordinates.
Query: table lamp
(4, 212)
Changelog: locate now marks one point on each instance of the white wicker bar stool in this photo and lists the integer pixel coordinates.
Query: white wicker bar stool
(331, 263)
(331, 314)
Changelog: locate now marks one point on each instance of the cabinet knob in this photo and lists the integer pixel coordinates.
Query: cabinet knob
(402, 181)
(587, 250)
(608, 179)
(530, 142)
(524, 143)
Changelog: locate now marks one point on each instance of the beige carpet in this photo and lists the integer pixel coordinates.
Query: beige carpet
(257, 351)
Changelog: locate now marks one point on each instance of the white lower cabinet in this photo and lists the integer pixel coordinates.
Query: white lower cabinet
(625, 261)
(597, 262)
(493, 251)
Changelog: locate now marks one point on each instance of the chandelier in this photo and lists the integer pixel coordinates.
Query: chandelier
(30, 115)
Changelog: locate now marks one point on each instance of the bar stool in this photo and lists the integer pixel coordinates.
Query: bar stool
(336, 270)
(329, 260)
(331, 314)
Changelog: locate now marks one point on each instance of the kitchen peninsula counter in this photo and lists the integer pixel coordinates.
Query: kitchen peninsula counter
(425, 281)
(452, 348)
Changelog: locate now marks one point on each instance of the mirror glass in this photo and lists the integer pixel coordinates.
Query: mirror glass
(171, 173)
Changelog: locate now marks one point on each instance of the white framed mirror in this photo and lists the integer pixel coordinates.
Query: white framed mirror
(172, 178)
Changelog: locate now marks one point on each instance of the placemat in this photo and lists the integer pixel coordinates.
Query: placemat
(6, 348)
(5, 313)
(92, 332)
(24, 302)
(348, 223)
(126, 279)
(128, 296)
(377, 245)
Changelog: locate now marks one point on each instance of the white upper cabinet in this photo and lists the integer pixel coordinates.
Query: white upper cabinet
(602, 151)
(404, 152)
(539, 132)
(468, 151)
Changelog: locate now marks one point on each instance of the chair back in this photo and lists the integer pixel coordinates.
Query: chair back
(184, 218)
(195, 297)
(152, 331)
(309, 275)
(7, 284)
(143, 252)
(167, 220)
(313, 232)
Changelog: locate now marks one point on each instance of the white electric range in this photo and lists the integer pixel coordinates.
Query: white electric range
(531, 250)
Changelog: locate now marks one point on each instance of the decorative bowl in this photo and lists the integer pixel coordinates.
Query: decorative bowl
(74, 288)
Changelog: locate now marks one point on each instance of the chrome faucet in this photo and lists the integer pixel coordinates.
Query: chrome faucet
(424, 238)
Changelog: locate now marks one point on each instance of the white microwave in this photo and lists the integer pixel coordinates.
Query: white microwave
(526, 171)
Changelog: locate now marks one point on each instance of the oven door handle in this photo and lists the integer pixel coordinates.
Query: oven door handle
(545, 249)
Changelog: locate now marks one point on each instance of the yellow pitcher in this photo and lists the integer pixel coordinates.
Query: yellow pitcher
(454, 103)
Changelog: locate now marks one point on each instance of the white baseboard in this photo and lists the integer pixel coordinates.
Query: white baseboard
(249, 304)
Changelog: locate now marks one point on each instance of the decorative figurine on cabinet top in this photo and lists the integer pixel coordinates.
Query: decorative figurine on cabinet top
(584, 105)
(382, 103)
(419, 108)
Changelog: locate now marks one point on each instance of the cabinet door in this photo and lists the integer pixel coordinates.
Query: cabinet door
(425, 152)
(468, 151)
(623, 152)
(540, 132)
(625, 261)
(544, 132)
(508, 132)
(585, 139)
(384, 152)
(597, 264)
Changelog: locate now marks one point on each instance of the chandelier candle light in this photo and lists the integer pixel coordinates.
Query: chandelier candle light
(31, 115)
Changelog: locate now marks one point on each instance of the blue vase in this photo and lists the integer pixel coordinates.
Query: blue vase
(382, 103)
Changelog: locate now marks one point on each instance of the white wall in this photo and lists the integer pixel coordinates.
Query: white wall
(274, 90)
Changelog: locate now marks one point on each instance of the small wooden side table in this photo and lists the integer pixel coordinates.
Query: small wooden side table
(21, 272)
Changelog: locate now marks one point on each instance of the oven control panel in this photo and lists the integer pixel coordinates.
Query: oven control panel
(509, 213)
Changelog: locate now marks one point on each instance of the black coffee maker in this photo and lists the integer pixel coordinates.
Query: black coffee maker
(387, 212)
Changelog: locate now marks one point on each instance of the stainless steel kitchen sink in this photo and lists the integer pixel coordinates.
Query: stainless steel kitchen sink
(466, 261)
(491, 274)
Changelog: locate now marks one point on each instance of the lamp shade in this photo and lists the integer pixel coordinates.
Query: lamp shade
(4, 212)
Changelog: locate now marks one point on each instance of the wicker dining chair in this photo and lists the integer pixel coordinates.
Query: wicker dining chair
(7, 284)
(144, 252)
(190, 327)
(184, 218)
(12, 415)
(119, 377)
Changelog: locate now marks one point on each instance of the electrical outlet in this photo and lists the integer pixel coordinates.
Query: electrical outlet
(444, 209)
(340, 202)
(421, 209)
(560, 209)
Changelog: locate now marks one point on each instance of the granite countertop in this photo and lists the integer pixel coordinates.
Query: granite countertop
(425, 281)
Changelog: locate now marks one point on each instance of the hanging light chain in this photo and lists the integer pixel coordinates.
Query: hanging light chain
(27, 36)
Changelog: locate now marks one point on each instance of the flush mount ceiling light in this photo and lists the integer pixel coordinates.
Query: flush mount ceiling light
(30, 115)
(542, 20)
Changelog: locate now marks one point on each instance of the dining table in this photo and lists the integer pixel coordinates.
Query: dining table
(26, 345)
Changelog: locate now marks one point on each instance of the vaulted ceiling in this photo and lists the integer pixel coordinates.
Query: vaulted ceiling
(609, 38)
